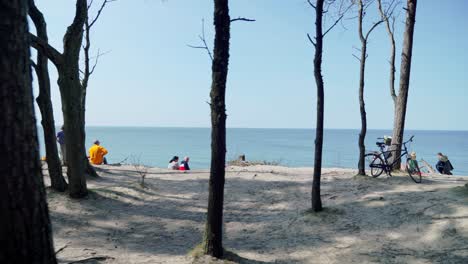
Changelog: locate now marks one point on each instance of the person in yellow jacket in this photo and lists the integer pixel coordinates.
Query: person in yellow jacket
(97, 153)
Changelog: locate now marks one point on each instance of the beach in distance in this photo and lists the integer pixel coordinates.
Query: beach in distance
(366, 220)
(154, 146)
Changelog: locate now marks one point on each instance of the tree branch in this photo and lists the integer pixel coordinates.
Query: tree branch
(242, 19)
(34, 65)
(50, 52)
(99, 11)
(89, 70)
(312, 5)
(386, 15)
(332, 26)
(203, 40)
(372, 28)
(311, 41)
(96, 61)
(338, 20)
(354, 55)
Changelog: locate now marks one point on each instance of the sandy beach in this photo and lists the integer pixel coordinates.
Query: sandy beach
(366, 220)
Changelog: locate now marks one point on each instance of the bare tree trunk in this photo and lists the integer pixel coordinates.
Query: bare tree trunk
(405, 70)
(362, 71)
(58, 182)
(71, 94)
(316, 199)
(362, 106)
(25, 230)
(213, 244)
(362, 109)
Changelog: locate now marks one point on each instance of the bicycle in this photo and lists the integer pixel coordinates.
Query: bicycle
(379, 161)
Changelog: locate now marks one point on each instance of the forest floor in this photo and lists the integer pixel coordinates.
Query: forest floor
(366, 220)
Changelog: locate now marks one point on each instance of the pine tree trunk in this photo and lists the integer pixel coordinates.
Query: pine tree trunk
(213, 242)
(362, 106)
(316, 199)
(405, 70)
(74, 130)
(71, 94)
(44, 102)
(362, 109)
(25, 230)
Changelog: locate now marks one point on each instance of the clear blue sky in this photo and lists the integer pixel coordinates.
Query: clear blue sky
(151, 78)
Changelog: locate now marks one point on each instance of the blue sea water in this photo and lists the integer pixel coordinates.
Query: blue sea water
(154, 146)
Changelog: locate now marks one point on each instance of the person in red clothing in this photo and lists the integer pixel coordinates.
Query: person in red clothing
(97, 153)
(184, 164)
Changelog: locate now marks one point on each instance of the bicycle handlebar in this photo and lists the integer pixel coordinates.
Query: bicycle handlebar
(406, 142)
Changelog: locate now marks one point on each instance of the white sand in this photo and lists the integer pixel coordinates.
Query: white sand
(383, 220)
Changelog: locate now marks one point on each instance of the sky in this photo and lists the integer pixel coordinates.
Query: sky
(150, 77)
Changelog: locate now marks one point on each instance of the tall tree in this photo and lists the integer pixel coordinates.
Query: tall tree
(318, 44)
(44, 102)
(362, 71)
(316, 198)
(71, 93)
(25, 230)
(405, 70)
(213, 241)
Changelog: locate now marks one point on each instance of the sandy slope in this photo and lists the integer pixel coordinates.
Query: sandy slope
(384, 220)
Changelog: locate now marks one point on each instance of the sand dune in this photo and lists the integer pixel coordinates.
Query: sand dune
(366, 220)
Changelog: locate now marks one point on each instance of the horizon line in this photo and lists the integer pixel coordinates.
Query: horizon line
(288, 128)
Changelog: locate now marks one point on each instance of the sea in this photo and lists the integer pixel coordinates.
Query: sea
(155, 146)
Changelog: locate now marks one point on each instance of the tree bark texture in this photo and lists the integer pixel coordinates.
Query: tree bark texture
(362, 106)
(405, 70)
(316, 199)
(71, 94)
(25, 230)
(44, 102)
(213, 244)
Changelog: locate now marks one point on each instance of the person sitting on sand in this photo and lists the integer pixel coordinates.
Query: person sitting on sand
(173, 163)
(184, 164)
(443, 165)
(97, 153)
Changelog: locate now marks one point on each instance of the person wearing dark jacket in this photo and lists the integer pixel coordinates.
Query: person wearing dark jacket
(184, 164)
(444, 166)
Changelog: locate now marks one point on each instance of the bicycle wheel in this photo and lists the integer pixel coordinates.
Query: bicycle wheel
(413, 170)
(375, 163)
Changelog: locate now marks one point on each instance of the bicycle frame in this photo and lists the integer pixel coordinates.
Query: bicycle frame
(386, 166)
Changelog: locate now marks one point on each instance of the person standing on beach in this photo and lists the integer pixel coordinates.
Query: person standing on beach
(173, 163)
(97, 153)
(61, 141)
